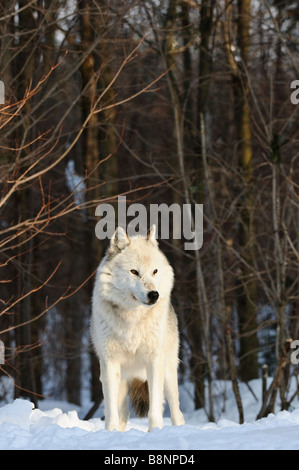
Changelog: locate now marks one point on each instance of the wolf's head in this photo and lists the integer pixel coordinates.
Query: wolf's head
(135, 271)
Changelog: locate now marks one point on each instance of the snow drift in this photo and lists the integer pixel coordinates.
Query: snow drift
(56, 425)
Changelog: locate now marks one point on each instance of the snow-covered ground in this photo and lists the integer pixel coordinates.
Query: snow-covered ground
(57, 425)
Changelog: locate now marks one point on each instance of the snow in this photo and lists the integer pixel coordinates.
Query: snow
(57, 425)
(75, 183)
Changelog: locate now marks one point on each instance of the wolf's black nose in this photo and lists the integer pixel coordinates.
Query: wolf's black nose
(153, 296)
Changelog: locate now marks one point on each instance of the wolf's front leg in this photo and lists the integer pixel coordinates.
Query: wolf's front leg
(172, 394)
(155, 377)
(110, 378)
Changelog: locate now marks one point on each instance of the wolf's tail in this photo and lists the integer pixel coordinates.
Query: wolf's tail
(139, 397)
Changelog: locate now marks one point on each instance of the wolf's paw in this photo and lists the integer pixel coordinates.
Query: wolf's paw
(154, 423)
(112, 425)
(178, 420)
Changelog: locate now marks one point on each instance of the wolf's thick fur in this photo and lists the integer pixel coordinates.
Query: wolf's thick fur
(134, 331)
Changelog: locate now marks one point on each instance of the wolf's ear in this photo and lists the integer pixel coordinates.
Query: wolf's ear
(119, 240)
(151, 236)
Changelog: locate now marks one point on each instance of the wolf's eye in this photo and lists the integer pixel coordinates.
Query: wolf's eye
(133, 271)
(155, 271)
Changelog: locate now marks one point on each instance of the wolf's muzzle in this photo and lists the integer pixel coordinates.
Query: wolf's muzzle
(153, 296)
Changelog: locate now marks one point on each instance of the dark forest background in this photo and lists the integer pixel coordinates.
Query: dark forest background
(163, 101)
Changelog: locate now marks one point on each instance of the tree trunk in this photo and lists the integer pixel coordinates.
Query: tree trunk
(204, 80)
(195, 326)
(247, 285)
(98, 140)
(25, 66)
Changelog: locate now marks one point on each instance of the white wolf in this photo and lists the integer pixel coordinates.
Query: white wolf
(134, 331)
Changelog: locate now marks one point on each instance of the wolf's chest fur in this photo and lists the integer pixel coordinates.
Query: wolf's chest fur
(134, 333)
